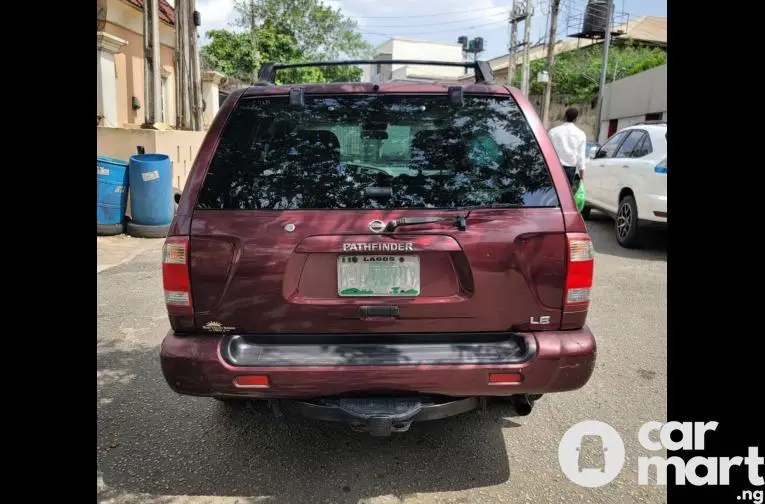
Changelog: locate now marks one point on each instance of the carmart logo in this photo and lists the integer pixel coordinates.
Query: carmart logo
(608, 461)
(572, 456)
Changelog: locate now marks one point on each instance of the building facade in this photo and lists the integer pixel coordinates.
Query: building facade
(408, 49)
(121, 63)
(634, 99)
(645, 30)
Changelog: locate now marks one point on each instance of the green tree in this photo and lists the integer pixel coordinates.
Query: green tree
(313, 32)
(233, 54)
(577, 73)
(230, 53)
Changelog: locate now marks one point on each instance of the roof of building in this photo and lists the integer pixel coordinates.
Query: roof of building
(416, 41)
(652, 29)
(166, 11)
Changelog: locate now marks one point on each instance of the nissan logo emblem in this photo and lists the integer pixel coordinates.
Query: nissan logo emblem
(376, 226)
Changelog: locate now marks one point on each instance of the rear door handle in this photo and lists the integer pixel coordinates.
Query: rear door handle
(625, 166)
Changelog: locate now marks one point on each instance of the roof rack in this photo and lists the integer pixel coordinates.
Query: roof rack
(483, 73)
(652, 122)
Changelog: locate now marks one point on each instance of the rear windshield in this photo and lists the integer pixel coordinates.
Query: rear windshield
(372, 151)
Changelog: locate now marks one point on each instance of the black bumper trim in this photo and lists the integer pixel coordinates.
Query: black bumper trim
(505, 348)
(397, 417)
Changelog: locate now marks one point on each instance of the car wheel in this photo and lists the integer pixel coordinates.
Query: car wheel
(627, 231)
(586, 213)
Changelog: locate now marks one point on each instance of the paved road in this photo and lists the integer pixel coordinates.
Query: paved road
(157, 447)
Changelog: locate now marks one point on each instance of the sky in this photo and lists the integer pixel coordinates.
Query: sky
(445, 20)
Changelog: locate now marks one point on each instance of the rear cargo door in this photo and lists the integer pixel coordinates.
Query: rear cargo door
(377, 214)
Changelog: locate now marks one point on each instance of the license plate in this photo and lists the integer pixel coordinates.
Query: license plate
(378, 275)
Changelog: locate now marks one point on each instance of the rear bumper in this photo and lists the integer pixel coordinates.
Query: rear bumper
(206, 365)
(653, 208)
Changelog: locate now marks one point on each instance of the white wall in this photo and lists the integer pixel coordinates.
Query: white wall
(631, 98)
(419, 50)
(623, 122)
(371, 70)
(638, 94)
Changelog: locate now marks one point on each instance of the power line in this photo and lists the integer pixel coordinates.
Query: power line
(465, 28)
(432, 14)
(440, 23)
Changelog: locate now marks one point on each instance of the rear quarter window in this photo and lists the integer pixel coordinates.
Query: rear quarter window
(372, 151)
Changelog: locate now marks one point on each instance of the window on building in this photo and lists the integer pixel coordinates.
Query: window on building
(613, 125)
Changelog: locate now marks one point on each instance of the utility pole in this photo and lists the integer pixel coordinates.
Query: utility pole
(188, 80)
(196, 74)
(513, 43)
(152, 84)
(554, 7)
(603, 69)
(526, 43)
(182, 67)
(547, 26)
(254, 38)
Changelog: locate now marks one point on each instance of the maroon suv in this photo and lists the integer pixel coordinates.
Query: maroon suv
(377, 254)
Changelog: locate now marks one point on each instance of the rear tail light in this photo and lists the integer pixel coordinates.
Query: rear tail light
(175, 276)
(579, 269)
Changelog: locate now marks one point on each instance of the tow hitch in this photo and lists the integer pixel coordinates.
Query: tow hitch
(379, 416)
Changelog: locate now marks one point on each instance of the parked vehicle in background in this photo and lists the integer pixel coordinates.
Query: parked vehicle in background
(628, 181)
(377, 254)
(592, 149)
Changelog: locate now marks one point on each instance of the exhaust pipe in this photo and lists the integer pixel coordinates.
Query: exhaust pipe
(522, 404)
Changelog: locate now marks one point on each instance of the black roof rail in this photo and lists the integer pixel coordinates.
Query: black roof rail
(651, 122)
(483, 73)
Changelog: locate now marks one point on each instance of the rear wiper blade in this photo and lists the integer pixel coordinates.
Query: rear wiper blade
(459, 221)
(493, 205)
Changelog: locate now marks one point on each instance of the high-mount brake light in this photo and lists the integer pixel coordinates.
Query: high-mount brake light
(175, 276)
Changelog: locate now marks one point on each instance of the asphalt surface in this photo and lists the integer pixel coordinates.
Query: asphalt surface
(160, 448)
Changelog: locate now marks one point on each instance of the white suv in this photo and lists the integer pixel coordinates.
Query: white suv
(627, 180)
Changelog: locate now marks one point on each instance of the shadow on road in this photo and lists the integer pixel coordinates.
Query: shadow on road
(151, 440)
(601, 229)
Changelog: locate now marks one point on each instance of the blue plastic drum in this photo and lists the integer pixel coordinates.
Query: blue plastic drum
(151, 189)
(112, 191)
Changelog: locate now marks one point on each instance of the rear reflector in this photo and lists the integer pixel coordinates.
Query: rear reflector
(256, 381)
(175, 276)
(579, 271)
(498, 378)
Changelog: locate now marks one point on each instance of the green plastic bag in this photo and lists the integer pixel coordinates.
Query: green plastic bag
(580, 196)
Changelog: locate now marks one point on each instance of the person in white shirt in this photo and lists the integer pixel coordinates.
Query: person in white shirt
(570, 144)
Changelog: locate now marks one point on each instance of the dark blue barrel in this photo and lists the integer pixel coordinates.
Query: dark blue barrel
(112, 191)
(151, 189)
